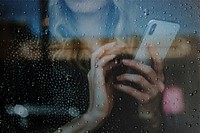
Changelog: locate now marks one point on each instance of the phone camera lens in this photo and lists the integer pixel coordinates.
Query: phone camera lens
(152, 29)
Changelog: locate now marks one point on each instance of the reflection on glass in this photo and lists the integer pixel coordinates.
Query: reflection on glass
(68, 66)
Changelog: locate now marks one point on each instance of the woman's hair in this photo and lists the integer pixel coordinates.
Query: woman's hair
(62, 27)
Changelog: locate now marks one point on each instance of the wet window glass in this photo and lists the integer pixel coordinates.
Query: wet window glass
(99, 66)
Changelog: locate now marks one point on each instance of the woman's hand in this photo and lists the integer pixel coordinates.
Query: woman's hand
(101, 98)
(151, 81)
(101, 101)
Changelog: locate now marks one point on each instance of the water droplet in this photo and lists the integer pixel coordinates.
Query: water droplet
(136, 127)
(60, 130)
(192, 62)
(195, 32)
(163, 129)
(146, 12)
(188, 42)
(190, 125)
(183, 66)
(117, 61)
(21, 110)
(191, 94)
(73, 111)
(96, 66)
(158, 43)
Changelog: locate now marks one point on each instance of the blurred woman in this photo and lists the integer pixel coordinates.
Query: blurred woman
(97, 37)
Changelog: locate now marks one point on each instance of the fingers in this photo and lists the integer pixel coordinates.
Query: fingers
(105, 50)
(104, 60)
(98, 53)
(142, 82)
(138, 79)
(142, 97)
(149, 91)
(151, 79)
(112, 64)
(158, 63)
(153, 74)
(146, 70)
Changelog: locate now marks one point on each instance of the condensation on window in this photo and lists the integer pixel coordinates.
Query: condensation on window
(46, 65)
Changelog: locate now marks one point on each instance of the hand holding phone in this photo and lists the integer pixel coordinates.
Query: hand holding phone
(160, 34)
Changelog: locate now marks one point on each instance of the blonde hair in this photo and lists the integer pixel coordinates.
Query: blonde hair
(68, 45)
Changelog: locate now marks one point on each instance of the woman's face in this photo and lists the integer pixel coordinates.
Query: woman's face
(86, 6)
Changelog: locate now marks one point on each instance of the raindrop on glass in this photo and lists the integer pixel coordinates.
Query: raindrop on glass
(146, 12)
(59, 130)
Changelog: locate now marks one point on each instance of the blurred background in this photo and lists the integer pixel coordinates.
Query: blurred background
(22, 20)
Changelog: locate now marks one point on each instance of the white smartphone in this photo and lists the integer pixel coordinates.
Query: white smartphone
(160, 34)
